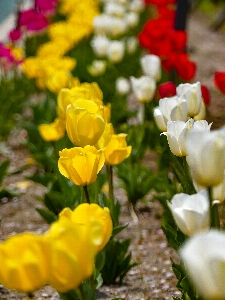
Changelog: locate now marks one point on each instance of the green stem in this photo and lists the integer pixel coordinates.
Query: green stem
(111, 192)
(214, 213)
(86, 194)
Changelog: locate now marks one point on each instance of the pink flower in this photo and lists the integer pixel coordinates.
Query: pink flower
(15, 35)
(32, 20)
(47, 7)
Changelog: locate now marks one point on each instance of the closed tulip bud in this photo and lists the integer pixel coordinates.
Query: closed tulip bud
(122, 86)
(81, 165)
(117, 149)
(89, 214)
(97, 67)
(143, 88)
(177, 132)
(73, 253)
(206, 157)
(132, 19)
(99, 44)
(151, 66)
(204, 260)
(115, 51)
(132, 44)
(85, 122)
(25, 262)
(193, 95)
(54, 131)
(191, 212)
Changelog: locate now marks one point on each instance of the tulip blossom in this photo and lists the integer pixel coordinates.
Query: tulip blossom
(167, 89)
(204, 259)
(122, 86)
(53, 131)
(192, 94)
(205, 94)
(97, 68)
(170, 109)
(84, 122)
(206, 157)
(91, 213)
(143, 88)
(117, 149)
(191, 212)
(25, 262)
(99, 44)
(81, 165)
(202, 112)
(131, 44)
(115, 51)
(76, 239)
(218, 191)
(106, 137)
(219, 80)
(177, 132)
(151, 66)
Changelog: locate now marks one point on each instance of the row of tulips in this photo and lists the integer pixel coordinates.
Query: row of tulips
(78, 139)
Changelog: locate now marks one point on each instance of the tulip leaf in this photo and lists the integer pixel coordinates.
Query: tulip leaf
(118, 229)
(3, 169)
(47, 215)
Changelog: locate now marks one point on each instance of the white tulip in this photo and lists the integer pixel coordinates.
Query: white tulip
(132, 44)
(193, 95)
(151, 66)
(117, 27)
(101, 24)
(191, 212)
(174, 109)
(218, 191)
(202, 112)
(122, 86)
(132, 19)
(97, 67)
(115, 51)
(137, 5)
(100, 44)
(159, 119)
(206, 157)
(204, 259)
(114, 9)
(177, 132)
(143, 88)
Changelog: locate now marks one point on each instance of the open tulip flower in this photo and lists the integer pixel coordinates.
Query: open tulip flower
(81, 165)
(25, 262)
(85, 122)
(204, 259)
(117, 149)
(206, 157)
(191, 212)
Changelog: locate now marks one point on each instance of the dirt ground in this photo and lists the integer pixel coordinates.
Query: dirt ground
(153, 277)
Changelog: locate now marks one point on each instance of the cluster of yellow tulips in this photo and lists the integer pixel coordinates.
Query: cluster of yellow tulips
(62, 257)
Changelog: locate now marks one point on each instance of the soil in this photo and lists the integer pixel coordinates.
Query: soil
(153, 277)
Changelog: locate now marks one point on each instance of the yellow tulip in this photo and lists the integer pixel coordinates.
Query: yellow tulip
(84, 122)
(59, 79)
(106, 137)
(81, 165)
(53, 131)
(73, 253)
(25, 262)
(91, 214)
(117, 149)
(86, 91)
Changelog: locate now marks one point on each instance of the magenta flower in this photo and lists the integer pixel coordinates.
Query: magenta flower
(32, 20)
(47, 7)
(15, 35)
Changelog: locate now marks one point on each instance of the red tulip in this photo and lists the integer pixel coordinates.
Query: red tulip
(219, 80)
(205, 94)
(167, 89)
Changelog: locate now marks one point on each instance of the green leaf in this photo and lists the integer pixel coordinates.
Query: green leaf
(47, 215)
(3, 169)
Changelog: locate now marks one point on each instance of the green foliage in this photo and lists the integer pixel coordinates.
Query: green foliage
(117, 262)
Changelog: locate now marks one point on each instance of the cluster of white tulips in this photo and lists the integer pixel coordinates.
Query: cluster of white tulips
(179, 119)
(111, 40)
